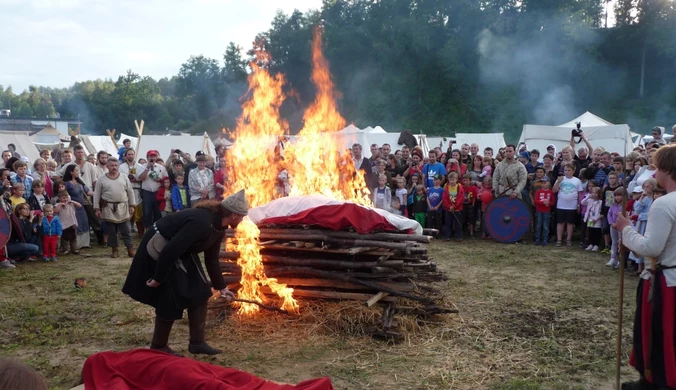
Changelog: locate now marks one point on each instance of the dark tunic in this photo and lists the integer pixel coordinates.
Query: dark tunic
(188, 233)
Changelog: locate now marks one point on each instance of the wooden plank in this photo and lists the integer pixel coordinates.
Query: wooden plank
(318, 282)
(374, 299)
(351, 235)
(306, 293)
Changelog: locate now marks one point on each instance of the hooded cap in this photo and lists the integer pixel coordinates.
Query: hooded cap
(236, 203)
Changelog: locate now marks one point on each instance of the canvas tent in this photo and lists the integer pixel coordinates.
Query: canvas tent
(48, 135)
(586, 120)
(615, 138)
(96, 143)
(22, 141)
(599, 132)
(186, 143)
(484, 140)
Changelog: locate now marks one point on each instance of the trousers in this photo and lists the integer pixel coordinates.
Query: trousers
(49, 244)
(124, 228)
(542, 220)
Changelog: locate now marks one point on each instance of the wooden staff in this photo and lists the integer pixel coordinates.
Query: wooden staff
(620, 303)
(139, 130)
(112, 136)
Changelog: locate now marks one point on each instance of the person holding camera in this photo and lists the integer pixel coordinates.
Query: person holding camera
(151, 180)
(582, 156)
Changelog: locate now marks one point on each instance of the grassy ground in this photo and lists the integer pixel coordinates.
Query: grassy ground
(530, 318)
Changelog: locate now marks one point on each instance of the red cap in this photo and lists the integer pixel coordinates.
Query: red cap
(152, 152)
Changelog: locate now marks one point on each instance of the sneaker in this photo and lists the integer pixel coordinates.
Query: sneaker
(616, 264)
(537, 242)
(558, 243)
(53, 258)
(6, 264)
(45, 259)
(569, 243)
(611, 262)
(595, 249)
(544, 243)
(605, 251)
(32, 259)
(589, 247)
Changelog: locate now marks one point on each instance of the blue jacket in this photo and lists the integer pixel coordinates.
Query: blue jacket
(176, 201)
(53, 228)
(120, 153)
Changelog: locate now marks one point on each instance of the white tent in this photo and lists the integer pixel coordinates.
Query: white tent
(22, 141)
(96, 143)
(484, 140)
(186, 143)
(586, 120)
(614, 138)
(48, 135)
(124, 136)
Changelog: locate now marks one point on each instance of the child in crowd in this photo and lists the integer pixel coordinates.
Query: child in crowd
(614, 211)
(568, 190)
(411, 194)
(51, 167)
(180, 198)
(592, 218)
(38, 200)
(608, 195)
(659, 191)
(21, 169)
(396, 206)
(641, 209)
(453, 201)
(163, 196)
(58, 187)
(434, 204)
(65, 209)
(635, 195)
(382, 196)
(51, 230)
(588, 186)
(420, 205)
(471, 194)
(17, 197)
(543, 201)
(23, 243)
(401, 193)
(487, 167)
(486, 197)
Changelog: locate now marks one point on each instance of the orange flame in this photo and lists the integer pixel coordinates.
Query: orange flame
(314, 165)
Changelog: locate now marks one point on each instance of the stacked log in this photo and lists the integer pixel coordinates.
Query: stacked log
(373, 268)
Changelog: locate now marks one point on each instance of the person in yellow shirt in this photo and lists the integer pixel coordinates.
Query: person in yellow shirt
(17, 198)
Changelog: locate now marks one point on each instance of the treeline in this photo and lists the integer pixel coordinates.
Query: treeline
(427, 65)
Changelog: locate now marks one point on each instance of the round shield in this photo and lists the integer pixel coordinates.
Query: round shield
(5, 227)
(507, 220)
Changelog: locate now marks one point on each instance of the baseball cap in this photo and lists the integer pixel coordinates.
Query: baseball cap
(199, 153)
(152, 152)
(638, 189)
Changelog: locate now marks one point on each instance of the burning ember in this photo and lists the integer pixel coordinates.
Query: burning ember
(315, 164)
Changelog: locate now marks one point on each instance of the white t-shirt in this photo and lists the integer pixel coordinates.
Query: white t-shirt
(567, 196)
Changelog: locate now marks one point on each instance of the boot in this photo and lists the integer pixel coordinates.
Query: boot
(197, 317)
(116, 253)
(130, 252)
(161, 336)
(99, 237)
(641, 384)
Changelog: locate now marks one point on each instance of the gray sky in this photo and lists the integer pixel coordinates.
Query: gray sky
(57, 42)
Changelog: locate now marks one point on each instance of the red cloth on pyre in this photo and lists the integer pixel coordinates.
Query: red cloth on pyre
(154, 370)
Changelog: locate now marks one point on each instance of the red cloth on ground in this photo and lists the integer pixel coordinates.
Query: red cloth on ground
(154, 370)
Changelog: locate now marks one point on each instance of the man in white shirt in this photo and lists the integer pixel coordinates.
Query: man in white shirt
(133, 170)
(151, 180)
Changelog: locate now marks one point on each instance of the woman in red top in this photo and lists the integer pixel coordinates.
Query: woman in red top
(415, 167)
(454, 164)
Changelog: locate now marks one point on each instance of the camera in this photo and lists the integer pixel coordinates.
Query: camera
(577, 133)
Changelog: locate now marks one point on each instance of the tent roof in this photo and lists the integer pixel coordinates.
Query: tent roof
(187, 143)
(22, 141)
(587, 120)
(96, 143)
